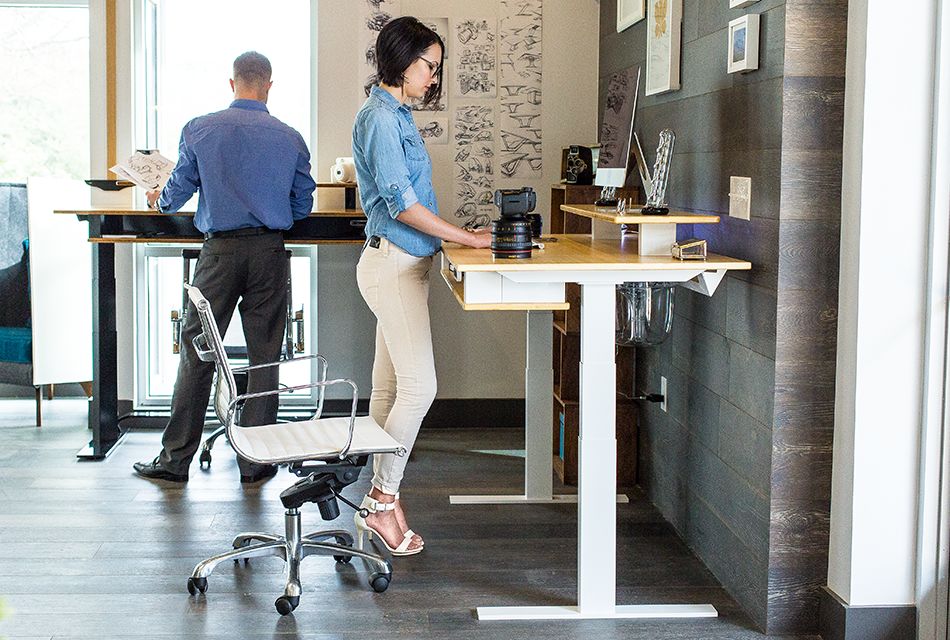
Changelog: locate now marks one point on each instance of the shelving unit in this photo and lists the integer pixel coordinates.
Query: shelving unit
(566, 357)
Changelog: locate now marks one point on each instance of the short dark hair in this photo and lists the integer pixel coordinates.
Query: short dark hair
(252, 68)
(399, 44)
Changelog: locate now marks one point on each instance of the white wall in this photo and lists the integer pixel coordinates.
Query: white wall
(478, 354)
(881, 324)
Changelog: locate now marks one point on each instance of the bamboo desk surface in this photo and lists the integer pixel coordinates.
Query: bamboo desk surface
(579, 252)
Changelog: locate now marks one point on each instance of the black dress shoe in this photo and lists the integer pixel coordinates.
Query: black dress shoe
(155, 471)
(262, 474)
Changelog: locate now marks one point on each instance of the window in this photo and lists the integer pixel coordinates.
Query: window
(44, 105)
(183, 56)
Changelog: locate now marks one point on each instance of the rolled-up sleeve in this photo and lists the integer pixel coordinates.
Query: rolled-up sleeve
(384, 156)
(184, 179)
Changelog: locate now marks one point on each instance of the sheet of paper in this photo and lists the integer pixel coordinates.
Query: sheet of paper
(147, 170)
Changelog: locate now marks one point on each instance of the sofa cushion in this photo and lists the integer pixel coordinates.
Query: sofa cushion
(16, 344)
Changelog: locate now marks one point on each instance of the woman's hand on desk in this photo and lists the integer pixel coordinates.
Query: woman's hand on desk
(152, 197)
(418, 217)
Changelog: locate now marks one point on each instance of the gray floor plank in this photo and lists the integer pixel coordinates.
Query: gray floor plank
(87, 550)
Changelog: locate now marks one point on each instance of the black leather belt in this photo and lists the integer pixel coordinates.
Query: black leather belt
(374, 242)
(240, 233)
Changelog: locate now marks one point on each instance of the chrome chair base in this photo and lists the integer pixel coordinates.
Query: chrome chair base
(292, 548)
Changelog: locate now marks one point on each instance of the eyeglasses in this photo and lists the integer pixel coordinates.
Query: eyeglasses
(433, 66)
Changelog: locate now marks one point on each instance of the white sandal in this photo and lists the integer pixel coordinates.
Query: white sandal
(374, 506)
(409, 533)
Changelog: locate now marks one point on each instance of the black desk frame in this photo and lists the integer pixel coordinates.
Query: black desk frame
(104, 408)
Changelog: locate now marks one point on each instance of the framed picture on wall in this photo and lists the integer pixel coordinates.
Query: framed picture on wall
(739, 4)
(744, 44)
(629, 12)
(664, 33)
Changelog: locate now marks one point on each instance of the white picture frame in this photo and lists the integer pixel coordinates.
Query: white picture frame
(743, 52)
(629, 12)
(664, 37)
(741, 4)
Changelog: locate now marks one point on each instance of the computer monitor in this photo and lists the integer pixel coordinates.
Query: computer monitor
(616, 131)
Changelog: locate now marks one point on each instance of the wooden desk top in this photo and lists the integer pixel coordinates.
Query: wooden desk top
(609, 214)
(113, 211)
(577, 252)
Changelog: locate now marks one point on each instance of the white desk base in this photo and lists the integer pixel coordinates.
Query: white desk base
(559, 498)
(643, 611)
(538, 419)
(597, 457)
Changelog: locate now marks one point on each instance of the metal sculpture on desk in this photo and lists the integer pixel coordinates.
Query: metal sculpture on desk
(656, 202)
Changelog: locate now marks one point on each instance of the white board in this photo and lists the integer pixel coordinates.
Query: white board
(60, 282)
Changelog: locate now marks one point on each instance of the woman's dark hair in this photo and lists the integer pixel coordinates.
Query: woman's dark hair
(399, 44)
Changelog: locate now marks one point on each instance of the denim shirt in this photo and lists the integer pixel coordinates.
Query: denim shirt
(394, 172)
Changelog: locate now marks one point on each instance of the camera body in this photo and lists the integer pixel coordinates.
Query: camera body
(511, 234)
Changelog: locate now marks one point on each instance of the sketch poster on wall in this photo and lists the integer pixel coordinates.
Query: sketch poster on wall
(374, 15)
(441, 27)
(664, 30)
(519, 61)
(475, 52)
(433, 129)
(474, 164)
(617, 125)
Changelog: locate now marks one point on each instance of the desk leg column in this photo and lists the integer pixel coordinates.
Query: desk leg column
(539, 410)
(597, 455)
(104, 408)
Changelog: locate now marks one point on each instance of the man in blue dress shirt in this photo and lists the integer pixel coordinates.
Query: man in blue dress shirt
(252, 174)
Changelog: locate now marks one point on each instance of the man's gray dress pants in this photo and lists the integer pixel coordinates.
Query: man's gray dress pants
(252, 269)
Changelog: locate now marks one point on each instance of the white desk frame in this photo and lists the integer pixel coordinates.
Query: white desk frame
(597, 449)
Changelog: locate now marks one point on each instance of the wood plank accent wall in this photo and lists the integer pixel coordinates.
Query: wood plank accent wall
(809, 234)
(740, 464)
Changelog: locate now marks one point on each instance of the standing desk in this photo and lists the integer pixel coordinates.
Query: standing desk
(110, 226)
(536, 285)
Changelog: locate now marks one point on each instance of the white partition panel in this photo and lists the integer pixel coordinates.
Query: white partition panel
(60, 282)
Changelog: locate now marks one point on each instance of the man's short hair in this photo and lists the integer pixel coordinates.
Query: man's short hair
(252, 68)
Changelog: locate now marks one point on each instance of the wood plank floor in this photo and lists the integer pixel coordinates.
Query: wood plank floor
(89, 550)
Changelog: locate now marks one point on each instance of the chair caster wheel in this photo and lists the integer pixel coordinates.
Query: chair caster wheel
(380, 581)
(286, 604)
(204, 459)
(343, 559)
(197, 585)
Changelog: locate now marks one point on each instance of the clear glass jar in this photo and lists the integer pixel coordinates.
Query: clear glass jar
(644, 312)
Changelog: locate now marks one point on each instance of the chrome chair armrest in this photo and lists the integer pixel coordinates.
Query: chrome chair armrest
(322, 368)
(326, 383)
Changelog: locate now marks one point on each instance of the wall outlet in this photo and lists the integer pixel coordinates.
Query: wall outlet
(663, 393)
(740, 197)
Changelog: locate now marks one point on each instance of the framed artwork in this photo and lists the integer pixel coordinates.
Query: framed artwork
(664, 34)
(739, 4)
(629, 12)
(744, 44)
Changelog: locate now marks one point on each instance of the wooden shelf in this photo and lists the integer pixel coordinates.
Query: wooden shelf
(566, 345)
(609, 214)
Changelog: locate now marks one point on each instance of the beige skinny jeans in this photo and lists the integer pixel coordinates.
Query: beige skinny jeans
(395, 285)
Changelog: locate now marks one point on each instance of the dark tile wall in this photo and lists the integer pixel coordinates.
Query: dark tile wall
(740, 462)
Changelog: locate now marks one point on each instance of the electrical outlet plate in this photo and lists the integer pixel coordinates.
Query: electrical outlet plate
(740, 197)
(663, 393)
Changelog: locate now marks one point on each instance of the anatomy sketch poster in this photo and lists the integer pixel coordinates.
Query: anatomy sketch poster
(474, 163)
(373, 16)
(519, 61)
(475, 54)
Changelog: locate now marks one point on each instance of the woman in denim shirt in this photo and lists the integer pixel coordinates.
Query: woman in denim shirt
(404, 230)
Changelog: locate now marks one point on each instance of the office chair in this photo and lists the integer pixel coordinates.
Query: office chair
(293, 324)
(326, 453)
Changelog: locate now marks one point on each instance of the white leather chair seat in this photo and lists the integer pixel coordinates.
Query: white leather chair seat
(312, 439)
